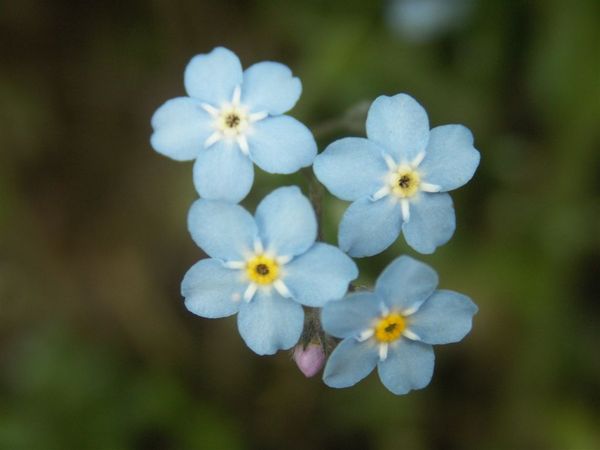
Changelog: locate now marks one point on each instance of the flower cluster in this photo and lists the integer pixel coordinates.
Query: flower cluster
(269, 268)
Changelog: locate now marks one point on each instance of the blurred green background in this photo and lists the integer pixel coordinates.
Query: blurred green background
(96, 348)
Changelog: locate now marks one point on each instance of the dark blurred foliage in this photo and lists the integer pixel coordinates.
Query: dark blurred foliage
(97, 350)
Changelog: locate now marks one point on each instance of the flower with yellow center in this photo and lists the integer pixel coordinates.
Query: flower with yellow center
(390, 327)
(262, 270)
(394, 328)
(404, 182)
(232, 121)
(263, 267)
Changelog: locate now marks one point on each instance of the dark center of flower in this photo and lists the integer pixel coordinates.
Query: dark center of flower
(262, 269)
(232, 120)
(391, 327)
(404, 181)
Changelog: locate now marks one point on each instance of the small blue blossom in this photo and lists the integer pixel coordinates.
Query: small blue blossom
(231, 119)
(264, 267)
(398, 178)
(394, 328)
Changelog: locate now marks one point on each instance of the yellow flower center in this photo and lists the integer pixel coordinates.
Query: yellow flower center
(232, 121)
(405, 182)
(390, 327)
(262, 270)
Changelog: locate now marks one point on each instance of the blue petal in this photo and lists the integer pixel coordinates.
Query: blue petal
(409, 366)
(351, 315)
(432, 222)
(224, 231)
(351, 168)
(400, 125)
(451, 159)
(270, 322)
(406, 283)
(281, 145)
(181, 127)
(369, 227)
(270, 86)
(213, 76)
(223, 172)
(319, 275)
(286, 222)
(444, 318)
(349, 363)
(211, 290)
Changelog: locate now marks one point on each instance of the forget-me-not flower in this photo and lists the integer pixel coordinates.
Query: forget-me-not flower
(394, 328)
(397, 178)
(263, 267)
(231, 119)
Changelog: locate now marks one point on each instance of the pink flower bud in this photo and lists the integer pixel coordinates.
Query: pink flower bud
(309, 359)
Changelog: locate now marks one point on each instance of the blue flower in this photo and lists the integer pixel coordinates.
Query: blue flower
(231, 118)
(394, 328)
(264, 267)
(397, 178)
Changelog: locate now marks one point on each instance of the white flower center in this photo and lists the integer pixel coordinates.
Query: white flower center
(403, 182)
(232, 121)
(262, 270)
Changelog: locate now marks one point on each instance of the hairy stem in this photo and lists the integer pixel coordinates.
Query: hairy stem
(352, 120)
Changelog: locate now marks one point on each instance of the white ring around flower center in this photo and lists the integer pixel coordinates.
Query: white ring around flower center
(403, 182)
(232, 121)
(261, 270)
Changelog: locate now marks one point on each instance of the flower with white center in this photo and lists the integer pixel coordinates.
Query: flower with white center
(263, 267)
(397, 178)
(394, 328)
(232, 118)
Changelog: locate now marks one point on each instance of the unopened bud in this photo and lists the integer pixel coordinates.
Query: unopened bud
(309, 359)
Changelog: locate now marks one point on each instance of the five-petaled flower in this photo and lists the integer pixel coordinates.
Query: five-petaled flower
(230, 119)
(264, 267)
(394, 328)
(398, 178)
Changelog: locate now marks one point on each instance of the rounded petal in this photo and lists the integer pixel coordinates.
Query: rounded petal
(210, 290)
(269, 86)
(224, 231)
(349, 316)
(408, 366)
(181, 127)
(223, 172)
(406, 283)
(432, 222)
(444, 318)
(286, 221)
(212, 77)
(369, 227)
(350, 362)
(351, 168)
(319, 275)
(451, 159)
(400, 125)
(281, 145)
(270, 322)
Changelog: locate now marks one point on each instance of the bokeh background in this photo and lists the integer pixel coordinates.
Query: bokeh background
(96, 348)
